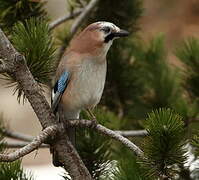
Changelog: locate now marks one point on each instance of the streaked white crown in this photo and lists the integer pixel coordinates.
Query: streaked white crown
(109, 24)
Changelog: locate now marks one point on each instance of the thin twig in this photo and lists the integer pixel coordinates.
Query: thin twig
(20, 144)
(28, 138)
(78, 22)
(110, 133)
(63, 19)
(49, 131)
(83, 16)
(132, 133)
(18, 136)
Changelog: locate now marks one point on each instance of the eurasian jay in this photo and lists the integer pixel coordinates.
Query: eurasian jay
(81, 74)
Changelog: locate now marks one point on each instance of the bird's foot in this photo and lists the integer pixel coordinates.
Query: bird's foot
(94, 123)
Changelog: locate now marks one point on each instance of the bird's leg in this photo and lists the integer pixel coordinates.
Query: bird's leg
(90, 113)
(92, 116)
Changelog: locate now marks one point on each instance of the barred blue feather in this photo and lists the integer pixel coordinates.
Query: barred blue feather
(58, 90)
(62, 82)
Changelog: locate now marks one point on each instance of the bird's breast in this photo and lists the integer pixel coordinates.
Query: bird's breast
(87, 85)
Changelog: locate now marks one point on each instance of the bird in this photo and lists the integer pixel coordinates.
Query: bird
(81, 74)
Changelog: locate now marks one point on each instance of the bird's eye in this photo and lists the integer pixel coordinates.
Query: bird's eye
(106, 29)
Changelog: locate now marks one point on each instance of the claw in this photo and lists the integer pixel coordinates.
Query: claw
(92, 118)
(94, 123)
(90, 113)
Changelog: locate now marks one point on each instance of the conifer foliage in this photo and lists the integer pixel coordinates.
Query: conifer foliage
(26, 25)
(14, 171)
(33, 40)
(163, 146)
(19, 10)
(188, 53)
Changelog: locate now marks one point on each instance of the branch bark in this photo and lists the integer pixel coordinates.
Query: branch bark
(18, 136)
(79, 20)
(73, 162)
(132, 133)
(63, 19)
(28, 138)
(20, 144)
(63, 142)
(51, 130)
(82, 16)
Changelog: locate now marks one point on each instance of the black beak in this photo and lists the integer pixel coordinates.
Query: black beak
(121, 33)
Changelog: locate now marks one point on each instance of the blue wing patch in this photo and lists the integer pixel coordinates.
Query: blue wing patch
(62, 82)
(59, 89)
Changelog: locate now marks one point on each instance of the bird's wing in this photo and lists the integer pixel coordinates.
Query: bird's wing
(58, 90)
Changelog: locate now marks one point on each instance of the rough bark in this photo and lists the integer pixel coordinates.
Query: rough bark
(73, 162)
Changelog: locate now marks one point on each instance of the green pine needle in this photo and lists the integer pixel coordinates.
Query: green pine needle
(128, 167)
(195, 143)
(161, 82)
(163, 146)
(34, 41)
(13, 11)
(188, 53)
(13, 171)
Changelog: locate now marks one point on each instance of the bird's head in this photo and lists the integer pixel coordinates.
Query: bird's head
(107, 31)
(97, 38)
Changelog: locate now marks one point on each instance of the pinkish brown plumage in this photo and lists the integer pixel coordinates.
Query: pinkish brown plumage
(85, 64)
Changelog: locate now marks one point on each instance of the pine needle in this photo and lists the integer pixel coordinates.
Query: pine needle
(34, 41)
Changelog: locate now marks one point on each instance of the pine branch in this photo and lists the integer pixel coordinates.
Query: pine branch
(77, 123)
(8, 144)
(110, 133)
(16, 64)
(28, 138)
(132, 133)
(164, 145)
(83, 16)
(17, 135)
(63, 19)
(49, 131)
